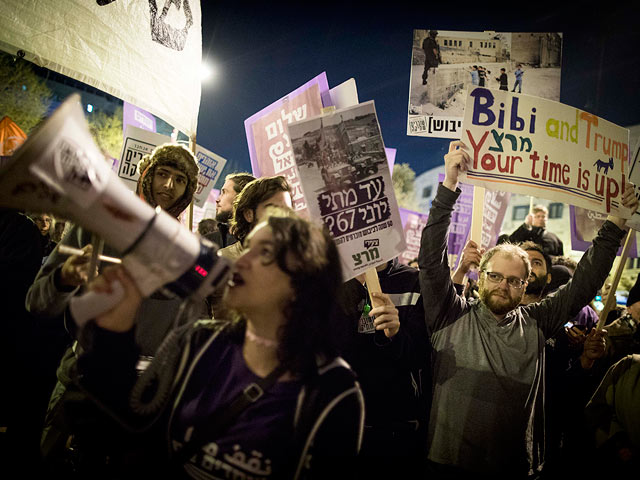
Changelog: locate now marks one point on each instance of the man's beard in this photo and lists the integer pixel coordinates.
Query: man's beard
(499, 305)
(223, 217)
(536, 286)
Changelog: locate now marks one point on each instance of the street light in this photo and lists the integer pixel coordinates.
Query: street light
(208, 71)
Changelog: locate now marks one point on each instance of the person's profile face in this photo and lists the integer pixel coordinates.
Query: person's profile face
(224, 202)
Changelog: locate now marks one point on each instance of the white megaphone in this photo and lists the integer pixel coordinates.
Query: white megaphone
(59, 169)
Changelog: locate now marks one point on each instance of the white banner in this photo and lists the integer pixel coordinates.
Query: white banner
(145, 52)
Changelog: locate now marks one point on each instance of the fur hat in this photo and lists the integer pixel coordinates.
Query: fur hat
(172, 155)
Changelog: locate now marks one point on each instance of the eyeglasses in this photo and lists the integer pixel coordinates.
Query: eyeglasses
(514, 282)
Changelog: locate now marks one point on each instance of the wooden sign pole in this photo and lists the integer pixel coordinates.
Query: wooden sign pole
(611, 298)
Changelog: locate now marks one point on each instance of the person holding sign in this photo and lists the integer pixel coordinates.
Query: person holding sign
(487, 414)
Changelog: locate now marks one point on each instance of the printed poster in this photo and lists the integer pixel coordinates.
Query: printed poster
(270, 148)
(446, 64)
(532, 146)
(137, 143)
(346, 179)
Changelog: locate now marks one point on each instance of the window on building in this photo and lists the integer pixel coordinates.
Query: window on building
(446, 44)
(555, 210)
(520, 212)
(494, 44)
(426, 191)
(471, 44)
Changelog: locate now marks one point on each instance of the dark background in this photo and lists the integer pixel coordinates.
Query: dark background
(264, 51)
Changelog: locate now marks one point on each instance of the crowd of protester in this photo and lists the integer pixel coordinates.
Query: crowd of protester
(497, 369)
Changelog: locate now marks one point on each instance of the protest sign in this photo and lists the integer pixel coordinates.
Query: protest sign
(137, 143)
(137, 117)
(269, 144)
(446, 64)
(495, 208)
(545, 149)
(412, 223)
(634, 177)
(584, 228)
(210, 166)
(145, 53)
(345, 174)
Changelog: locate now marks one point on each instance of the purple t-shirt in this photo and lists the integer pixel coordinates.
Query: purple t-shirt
(257, 443)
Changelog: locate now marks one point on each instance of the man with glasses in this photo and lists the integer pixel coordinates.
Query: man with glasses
(487, 413)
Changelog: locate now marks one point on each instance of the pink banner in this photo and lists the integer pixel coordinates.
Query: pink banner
(269, 144)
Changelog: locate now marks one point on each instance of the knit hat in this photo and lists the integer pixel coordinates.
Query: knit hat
(171, 155)
(634, 293)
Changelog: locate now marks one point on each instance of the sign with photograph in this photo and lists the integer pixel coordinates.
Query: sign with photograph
(137, 143)
(270, 148)
(545, 149)
(346, 179)
(446, 64)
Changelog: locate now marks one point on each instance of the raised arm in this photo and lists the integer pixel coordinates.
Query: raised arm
(441, 303)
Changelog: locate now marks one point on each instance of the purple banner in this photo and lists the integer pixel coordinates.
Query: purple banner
(460, 219)
(269, 145)
(132, 115)
(495, 208)
(412, 224)
(391, 157)
(584, 227)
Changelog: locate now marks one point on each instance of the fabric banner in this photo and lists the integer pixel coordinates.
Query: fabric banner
(446, 64)
(210, 165)
(345, 174)
(584, 228)
(270, 148)
(545, 149)
(146, 53)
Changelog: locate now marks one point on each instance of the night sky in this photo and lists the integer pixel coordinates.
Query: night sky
(264, 51)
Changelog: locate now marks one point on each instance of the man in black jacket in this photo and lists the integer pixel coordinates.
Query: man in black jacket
(393, 369)
(535, 229)
(431, 54)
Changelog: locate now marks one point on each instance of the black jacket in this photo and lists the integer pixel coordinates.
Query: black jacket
(328, 420)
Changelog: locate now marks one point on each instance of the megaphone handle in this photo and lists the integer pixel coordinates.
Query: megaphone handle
(92, 304)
